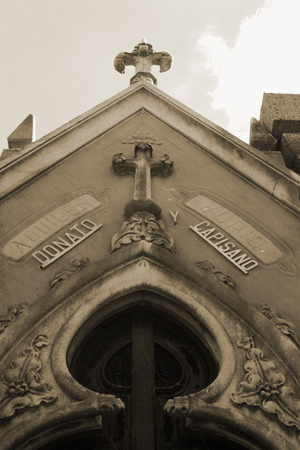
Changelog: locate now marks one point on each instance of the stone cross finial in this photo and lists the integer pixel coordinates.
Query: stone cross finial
(143, 57)
(142, 167)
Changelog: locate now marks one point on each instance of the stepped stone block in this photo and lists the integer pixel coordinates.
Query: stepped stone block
(260, 137)
(280, 113)
(290, 149)
(23, 134)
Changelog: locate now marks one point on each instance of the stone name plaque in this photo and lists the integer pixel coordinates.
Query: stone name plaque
(63, 244)
(223, 245)
(32, 236)
(250, 237)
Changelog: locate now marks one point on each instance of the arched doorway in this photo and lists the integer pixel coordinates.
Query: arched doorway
(145, 358)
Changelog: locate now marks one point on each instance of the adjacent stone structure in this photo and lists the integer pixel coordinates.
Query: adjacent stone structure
(277, 133)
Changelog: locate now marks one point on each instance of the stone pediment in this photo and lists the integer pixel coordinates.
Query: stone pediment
(24, 165)
(66, 202)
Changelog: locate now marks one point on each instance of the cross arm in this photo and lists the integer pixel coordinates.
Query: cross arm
(124, 59)
(122, 166)
(163, 167)
(162, 59)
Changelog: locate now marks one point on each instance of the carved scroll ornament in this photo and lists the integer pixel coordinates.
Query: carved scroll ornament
(209, 267)
(77, 264)
(286, 327)
(264, 386)
(142, 227)
(21, 384)
(11, 315)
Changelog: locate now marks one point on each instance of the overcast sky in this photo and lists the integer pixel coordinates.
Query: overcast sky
(57, 56)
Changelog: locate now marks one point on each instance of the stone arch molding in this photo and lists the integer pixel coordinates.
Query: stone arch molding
(172, 293)
(164, 292)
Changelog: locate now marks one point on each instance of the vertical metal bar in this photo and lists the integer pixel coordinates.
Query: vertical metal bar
(143, 385)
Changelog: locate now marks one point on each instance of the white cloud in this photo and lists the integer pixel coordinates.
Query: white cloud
(263, 59)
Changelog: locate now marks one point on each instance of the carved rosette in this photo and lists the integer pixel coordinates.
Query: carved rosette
(264, 387)
(142, 227)
(21, 384)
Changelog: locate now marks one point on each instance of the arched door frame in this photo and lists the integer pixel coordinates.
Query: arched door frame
(173, 298)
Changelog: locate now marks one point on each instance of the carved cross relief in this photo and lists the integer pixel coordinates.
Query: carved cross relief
(142, 167)
(142, 213)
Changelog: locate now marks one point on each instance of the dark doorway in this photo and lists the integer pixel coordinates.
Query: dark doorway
(145, 359)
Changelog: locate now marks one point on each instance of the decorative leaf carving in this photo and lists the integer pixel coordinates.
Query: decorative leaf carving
(144, 227)
(264, 387)
(65, 272)
(209, 267)
(12, 313)
(142, 134)
(21, 384)
(286, 327)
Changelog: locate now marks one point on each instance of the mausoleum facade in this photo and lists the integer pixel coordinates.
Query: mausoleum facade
(150, 278)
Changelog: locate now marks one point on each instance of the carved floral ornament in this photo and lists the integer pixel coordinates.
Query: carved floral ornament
(142, 227)
(21, 384)
(264, 387)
